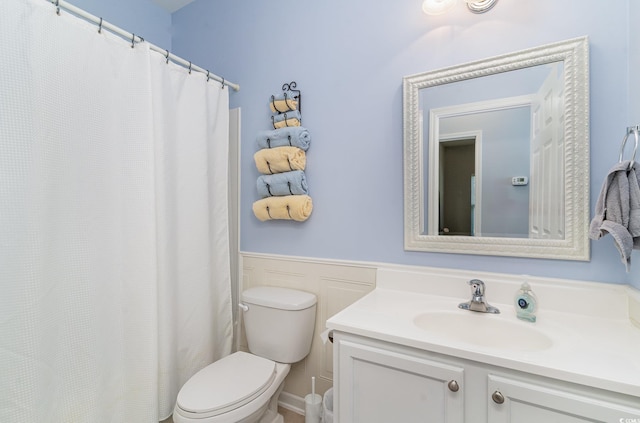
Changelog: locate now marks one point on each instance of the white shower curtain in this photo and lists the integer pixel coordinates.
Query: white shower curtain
(114, 257)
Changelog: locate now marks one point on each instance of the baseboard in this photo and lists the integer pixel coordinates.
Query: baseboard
(291, 402)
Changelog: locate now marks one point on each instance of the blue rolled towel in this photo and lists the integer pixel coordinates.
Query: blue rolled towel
(294, 136)
(287, 183)
(287, 119)
(293, 114)
(285, 95)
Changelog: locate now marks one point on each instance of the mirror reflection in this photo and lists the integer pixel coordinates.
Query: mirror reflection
(496, 163)
(496, 155)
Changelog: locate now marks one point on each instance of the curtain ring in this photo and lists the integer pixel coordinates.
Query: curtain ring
(167, 56)
(100, 27)
(189, 68)
(133, 40)
(58, 7)
(207, 76)
(223, 82)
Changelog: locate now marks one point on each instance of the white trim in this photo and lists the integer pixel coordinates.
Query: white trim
(235, 118)
(435, 270)
(634, 305)
(292, 402)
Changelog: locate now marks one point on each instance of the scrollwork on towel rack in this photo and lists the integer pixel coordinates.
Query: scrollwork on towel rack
(295, 95)
(291, 86)
(635, 130)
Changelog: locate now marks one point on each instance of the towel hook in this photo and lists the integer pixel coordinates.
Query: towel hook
(630, 130)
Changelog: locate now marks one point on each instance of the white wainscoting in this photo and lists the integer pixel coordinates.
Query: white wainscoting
(336, 285)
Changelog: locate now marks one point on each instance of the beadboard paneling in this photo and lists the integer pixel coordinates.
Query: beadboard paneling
(336, 285)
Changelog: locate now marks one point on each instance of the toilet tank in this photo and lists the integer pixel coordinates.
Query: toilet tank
(279, 322)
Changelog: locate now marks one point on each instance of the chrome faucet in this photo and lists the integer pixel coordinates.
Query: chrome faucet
(477, 302)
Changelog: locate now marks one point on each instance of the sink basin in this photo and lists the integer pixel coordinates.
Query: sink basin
(483, 329)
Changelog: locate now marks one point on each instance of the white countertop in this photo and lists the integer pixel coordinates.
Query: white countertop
(599, 348)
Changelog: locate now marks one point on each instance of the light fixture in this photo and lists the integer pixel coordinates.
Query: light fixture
(480, 6)
(439, 7)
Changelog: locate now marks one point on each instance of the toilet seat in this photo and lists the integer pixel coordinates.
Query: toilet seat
(226, 384)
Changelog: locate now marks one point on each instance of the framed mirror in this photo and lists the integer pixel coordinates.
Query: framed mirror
(496, 155)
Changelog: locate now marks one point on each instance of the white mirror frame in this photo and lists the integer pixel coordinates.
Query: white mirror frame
(575, 55)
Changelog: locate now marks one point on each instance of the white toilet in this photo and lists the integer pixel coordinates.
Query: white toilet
(243, 387)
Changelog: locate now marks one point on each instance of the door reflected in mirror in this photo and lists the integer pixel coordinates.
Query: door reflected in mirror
(457, 187)
(495, 153)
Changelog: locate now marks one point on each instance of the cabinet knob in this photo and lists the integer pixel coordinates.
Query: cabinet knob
(453, 386)
(497, 397)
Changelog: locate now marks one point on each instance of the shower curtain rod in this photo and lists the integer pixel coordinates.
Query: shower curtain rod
(102, 24)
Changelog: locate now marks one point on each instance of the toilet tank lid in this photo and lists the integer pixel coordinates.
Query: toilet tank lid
(281, 298)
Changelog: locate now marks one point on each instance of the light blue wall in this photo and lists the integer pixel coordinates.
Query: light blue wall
(634, 63)
(141, 17)
(349, 58)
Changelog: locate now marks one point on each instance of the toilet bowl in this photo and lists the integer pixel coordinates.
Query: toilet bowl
(244, 387)
(237, 388)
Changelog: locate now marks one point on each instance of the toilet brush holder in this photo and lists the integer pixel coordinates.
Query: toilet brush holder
(313, 408)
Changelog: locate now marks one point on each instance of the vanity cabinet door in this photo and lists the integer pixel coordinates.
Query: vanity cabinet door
(382, 386)
(515, 401)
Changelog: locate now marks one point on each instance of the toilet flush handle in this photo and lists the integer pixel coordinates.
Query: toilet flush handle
(244, 307)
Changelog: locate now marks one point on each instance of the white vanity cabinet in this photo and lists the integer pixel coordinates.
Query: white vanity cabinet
(382, 382)
(518, 401)
(378, 385)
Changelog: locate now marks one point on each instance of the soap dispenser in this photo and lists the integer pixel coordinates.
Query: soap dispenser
(526, 303)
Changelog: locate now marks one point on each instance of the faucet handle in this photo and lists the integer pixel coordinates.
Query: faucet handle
(477, 287)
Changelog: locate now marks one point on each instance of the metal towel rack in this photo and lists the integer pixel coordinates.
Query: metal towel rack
(289, 89)
(635, 130)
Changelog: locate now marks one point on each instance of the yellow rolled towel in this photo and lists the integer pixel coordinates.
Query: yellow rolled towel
(283, 105)
(280, 159)
(288, 207)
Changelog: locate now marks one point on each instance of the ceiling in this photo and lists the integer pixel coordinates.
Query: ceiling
(172, 5)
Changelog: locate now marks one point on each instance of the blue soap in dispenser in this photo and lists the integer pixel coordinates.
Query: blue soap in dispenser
(526, 303)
